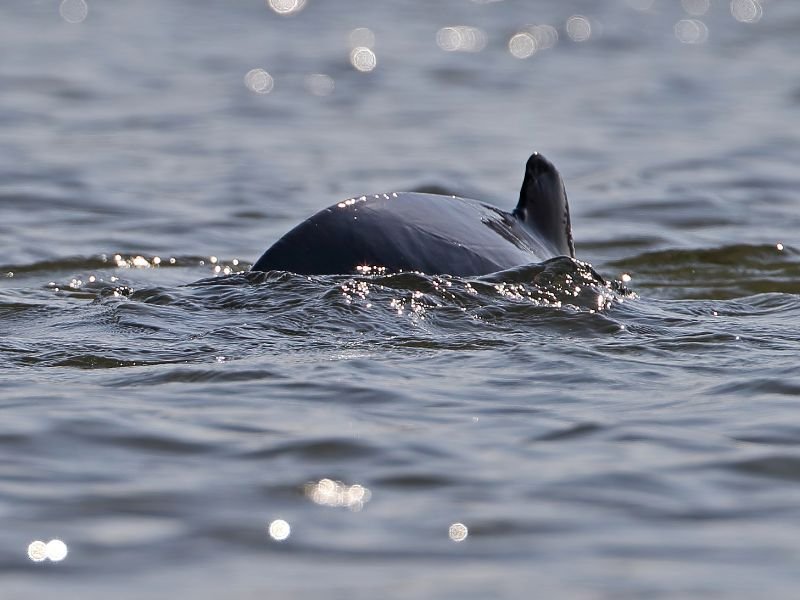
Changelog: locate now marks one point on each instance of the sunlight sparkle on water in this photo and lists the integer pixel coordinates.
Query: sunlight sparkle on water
(279, 530)
(691, 31)
(54, 550)
(139, 262)
(578, 28)
(461, 38)
(363, 59)
(327, 492)
(286, 7)
(522, 45)
(546, 36)
(747, 11)
(259, 81)
(458, 532)
(73, 11)
(361, 36)
(37, 551)
(533, 38)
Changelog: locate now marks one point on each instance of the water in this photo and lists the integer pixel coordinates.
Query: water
(637, 438)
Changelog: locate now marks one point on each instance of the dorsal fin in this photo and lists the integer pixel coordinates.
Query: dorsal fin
(543, 206)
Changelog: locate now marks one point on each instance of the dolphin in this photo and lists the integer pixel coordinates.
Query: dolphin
(431, 233)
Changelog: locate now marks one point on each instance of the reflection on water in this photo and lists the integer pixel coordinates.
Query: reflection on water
(279, 530)
(54, 550)
(458, 532)
(286, 7)
(73, 11)
(691, 31)
(579, 29)
(363, 59)
(192, 428)
(327, 492)
(259, 81)
(747, 11)
(461, 38)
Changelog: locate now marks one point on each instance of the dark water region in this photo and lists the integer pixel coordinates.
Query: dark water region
(623, 427)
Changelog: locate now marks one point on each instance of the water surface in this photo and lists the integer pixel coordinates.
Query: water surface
(625, 430)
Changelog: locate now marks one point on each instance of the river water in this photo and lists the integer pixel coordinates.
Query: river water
(188, 429)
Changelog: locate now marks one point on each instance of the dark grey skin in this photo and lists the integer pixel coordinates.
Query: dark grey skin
(434, 234)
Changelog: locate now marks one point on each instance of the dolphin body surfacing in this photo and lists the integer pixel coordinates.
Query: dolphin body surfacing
(434, 234)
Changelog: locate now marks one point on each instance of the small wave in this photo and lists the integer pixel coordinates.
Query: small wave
(107, 312)
(719, 273)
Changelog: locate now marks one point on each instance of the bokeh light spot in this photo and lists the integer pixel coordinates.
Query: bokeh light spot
(259, 81)
(546, 36)
(522, 45)
(56, 550)
(363, 59)
(691, 31)
(279, 530)
(458, 532)
(461, 38)
(286, 7)
(747, 11)
(73, 11)
(448, 39)
(37, 551)
(361, 36)
(327, 492)
(578, 28)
